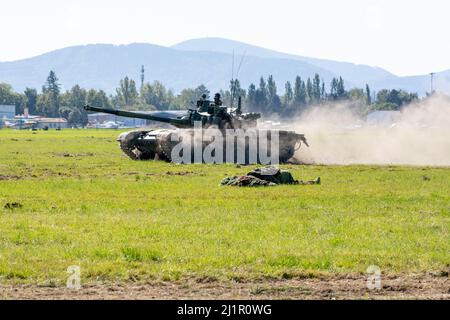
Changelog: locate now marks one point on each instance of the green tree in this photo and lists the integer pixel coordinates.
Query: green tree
(10, 97)
(250, 100)
(148, 96)
(6, 94)
(368, 95)
(288, 94)
(31, 97)
(341, 93)
(323, 92)
(334, 89)
(201, 89)
(160, 96)
(393, 99)
(299, 92)
(77, 97)
(157, 96)
(186, 99)
(49, 102)
(72, 103)
(316, 89)
(274, 101)
(236, 91)
(356, 94)
(77, 117)
(309, 90)
(261, 95)
(126, 92)
(97, 99)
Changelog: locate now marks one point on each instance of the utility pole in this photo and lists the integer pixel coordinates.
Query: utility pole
(432, 78)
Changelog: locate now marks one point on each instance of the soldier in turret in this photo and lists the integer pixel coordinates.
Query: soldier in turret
(203, 104)
(217, 109)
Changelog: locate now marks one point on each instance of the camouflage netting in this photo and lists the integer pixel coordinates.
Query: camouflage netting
(245, 181)
(266, 176)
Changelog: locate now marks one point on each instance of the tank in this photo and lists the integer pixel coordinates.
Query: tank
(160, 144)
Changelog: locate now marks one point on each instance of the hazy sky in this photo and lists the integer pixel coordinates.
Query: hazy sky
(403, 36)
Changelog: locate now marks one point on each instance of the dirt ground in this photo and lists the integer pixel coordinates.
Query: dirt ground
(429, 286)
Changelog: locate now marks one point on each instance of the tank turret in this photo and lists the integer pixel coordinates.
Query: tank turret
(209, 114)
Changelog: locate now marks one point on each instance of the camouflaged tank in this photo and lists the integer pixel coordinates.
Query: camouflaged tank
(159, 144)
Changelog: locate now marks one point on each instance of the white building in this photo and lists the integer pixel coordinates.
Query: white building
(51, 123)
(7, 111)
(38, 122)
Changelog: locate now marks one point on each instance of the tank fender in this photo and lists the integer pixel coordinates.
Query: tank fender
(122, 136)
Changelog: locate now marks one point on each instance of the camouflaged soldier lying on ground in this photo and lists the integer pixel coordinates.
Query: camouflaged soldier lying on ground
(266, 176)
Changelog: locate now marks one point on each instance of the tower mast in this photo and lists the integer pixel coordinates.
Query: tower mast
(142, 77)
(432, 78)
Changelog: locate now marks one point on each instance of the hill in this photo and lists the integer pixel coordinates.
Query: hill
(194, 62)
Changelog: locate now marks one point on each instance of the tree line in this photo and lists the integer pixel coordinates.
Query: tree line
(297, 97)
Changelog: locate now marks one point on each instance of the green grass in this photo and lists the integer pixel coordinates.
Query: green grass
(86, 204)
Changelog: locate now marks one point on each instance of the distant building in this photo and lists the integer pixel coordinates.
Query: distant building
(51, 123)
(383, 118)
(99, 118)
(7, 111)
(39, 122)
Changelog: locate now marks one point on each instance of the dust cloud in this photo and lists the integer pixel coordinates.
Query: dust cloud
(418, 135)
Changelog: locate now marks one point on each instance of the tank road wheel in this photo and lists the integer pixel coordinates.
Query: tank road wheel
(143, 155)
(134, 153)
(128, 145)
(286, 153)
(128, 150)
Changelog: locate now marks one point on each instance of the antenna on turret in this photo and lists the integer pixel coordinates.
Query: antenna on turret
(233, 81)
(240, 63)
(232, 67)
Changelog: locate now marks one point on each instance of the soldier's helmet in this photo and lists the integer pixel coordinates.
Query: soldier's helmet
(217, 100)
(203, 96)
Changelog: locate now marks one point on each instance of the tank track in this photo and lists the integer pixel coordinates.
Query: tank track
(157, 145)
(128, 148)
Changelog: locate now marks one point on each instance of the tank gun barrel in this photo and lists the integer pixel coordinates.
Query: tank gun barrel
(180, 123)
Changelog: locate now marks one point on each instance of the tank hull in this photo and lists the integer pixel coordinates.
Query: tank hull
(217, 146)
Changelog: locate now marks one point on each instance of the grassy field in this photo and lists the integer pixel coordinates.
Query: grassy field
(84, 203)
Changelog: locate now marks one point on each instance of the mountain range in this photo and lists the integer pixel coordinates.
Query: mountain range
(190, 63)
